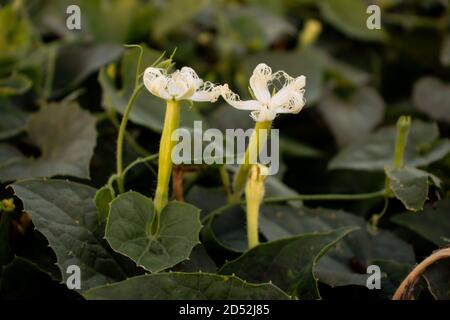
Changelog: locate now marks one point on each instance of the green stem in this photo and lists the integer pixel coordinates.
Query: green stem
(250, 157)
(130, 140)
(171, 122)
(139, 161)
(120, 137)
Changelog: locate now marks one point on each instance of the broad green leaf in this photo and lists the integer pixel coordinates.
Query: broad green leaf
(251, 28)
(376, 151)
(409, 185)
(438, 279)
(288, 263)
(15, 84)
(65, 213)
(12, 122)
(186, 286)
(148, 110)
(84, 60)
(103, 198)
(350, 17)
(433, 223)
(128, 231)
(310, 62)
(23, 280)
(352, 119)
(432, 97)
(346, 264)
(66, 136)
(174, 13)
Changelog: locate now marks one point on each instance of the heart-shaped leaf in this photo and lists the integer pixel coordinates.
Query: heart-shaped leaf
(128, 231)
(432, 97)
(376, 151)
(186, 286)
(65, 213)
(409, 185)
(289, 262)
(65, 134)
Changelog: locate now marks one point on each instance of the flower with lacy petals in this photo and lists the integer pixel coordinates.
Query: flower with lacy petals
(287, 97)
(182, 84)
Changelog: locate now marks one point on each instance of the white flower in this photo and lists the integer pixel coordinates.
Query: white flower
(287, 97)
(182, 84)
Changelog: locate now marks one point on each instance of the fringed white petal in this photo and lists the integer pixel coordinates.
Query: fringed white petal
(259, 80)
(207, 92)
(289, 85)
(155, 80)
(294, 104)
(235, 101)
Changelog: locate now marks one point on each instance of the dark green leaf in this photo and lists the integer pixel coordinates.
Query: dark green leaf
(432, 97)
(353, 119)
(409, 185)
(174, 13)
(23, 280)
(345, 265)
(84, 60)
(289, 262)
(12, 122)
(186, 286)
(350, 17)
(128, 231)
(199, 261)
(65, 213)
(433, 223)
(377, 150)
(438, 278)
(66, 135)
